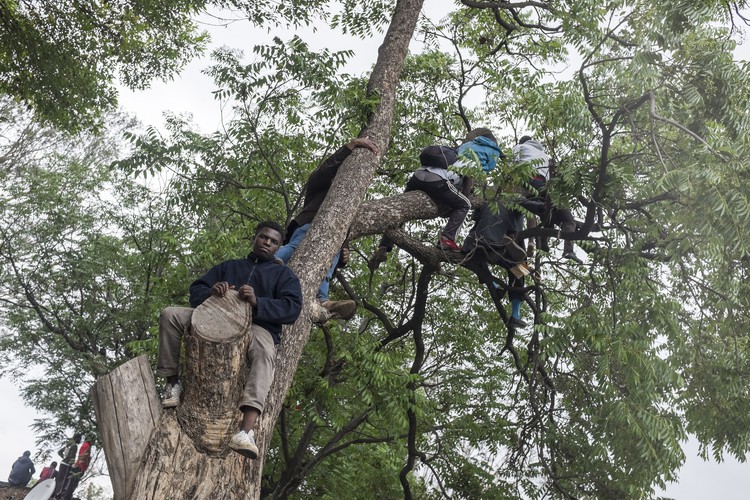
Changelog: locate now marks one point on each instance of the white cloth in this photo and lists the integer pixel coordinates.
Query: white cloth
(533, 153)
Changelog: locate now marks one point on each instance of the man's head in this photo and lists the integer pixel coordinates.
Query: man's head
(26, 453)
(480, 132)
(53, 464)
(523, 139)
(267, 239)
(77, 437)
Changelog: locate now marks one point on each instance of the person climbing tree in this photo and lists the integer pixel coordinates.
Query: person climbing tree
(532, 152)
(447, 187)
(316, 189)
(274, 293)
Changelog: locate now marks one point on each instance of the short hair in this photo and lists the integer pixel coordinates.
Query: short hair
(53, 464)
(26, 453)
(77, 437)
(524, 139)
(480, 132)
(270, 225)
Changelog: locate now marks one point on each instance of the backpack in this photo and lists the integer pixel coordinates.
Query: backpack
(438, 156)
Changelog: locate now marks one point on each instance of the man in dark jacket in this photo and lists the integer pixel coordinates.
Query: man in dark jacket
(22, 470)
(274, 293)
(316, 189)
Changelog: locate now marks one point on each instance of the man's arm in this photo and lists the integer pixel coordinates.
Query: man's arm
(286, 306)
(322, 177)
(200, 289)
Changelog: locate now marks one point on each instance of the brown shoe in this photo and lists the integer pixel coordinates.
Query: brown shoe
(319, 314)
(340, 309)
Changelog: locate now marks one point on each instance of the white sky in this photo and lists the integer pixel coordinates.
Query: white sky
(191, 93)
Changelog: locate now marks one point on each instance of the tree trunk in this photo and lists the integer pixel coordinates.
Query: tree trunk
(187, 455)
(127, 409)
(330, 226)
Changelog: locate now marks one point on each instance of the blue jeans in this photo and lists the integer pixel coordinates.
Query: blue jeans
(285, 253)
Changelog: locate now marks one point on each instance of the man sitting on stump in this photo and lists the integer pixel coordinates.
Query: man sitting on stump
(274, 293)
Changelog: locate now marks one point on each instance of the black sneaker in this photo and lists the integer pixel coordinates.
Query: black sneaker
(572, 256)
(517, 322)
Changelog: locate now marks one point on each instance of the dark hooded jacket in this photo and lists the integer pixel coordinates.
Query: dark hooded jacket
(21, 472)
(277, 290)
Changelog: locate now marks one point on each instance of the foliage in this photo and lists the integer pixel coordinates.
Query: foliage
(87, 257)
(644, 111)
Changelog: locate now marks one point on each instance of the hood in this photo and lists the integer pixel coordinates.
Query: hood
(487, 142)
(535, 144)
(484, 150)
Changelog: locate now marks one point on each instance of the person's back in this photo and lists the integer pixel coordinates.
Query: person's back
(22, 470)
(48, 472)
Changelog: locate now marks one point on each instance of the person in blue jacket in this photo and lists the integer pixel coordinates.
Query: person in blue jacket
(22, 470)
(273, 291)
(440, 178)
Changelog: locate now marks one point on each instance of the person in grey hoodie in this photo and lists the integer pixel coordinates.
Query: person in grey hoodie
(22, 470)
(532, 152)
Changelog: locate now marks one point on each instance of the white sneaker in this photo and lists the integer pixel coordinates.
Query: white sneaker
(172, 396)
(244, 444)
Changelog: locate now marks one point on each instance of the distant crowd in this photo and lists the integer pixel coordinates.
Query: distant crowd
(74, 462)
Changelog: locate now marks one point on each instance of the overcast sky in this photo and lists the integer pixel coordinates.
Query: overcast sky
(191, 93)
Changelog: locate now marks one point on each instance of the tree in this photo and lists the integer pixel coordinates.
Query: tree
(628, 353)
(62, 59)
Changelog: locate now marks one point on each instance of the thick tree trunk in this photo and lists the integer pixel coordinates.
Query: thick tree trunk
(330, 227)
(187, 455)
(127, 410)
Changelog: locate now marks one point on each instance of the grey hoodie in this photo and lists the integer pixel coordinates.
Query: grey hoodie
(532, 152)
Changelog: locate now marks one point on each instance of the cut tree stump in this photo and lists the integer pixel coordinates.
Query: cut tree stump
(186, 456)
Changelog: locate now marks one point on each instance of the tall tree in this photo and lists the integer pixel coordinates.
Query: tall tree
(628, 353)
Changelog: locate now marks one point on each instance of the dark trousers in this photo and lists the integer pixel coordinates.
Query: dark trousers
(553, 216)
(60, 478)
(71, 483)
(445, 195)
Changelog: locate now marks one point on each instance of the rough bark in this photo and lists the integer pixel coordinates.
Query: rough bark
(330, 227)
(187, 455)
(127, 410)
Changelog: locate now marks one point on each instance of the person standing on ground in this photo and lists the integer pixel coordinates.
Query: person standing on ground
(80, 466)
(68, 455)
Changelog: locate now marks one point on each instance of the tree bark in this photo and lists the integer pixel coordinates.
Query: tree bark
(187, 455)
(127, 409)
(331, 224)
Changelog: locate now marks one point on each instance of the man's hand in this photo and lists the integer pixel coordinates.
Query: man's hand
(247, 293)
(344, 259)
(220, 289)
(364, 142)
